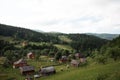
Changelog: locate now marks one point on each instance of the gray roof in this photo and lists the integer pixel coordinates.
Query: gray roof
(27, 68)
(29, 53)
(20, 61)
(48, 69)
(75, 62)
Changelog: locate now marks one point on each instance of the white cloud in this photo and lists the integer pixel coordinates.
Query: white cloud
(68, 16)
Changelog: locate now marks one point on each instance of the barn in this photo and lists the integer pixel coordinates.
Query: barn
(30, 55)
(19, 63)
(47, 70)
(26, 70)
(63, 59)
(75, 63)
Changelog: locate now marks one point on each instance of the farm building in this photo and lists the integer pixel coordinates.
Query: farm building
(26, 70)
(79, 55)
(19, 63)
(83, 60)
(30, 55)
(63, 59)
(47, 70)
(75, 63)
(24, 43)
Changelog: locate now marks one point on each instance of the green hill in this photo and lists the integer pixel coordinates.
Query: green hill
(79, 42)
(105, 35)
(51, 45)
(26, 34)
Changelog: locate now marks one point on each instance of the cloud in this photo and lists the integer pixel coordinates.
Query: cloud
(68, 16)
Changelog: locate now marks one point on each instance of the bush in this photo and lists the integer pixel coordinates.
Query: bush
(114, 76)
(113, 53)
(101, 77)
(101, 59)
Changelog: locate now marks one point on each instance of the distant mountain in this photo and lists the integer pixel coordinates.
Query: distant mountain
(38, 30)
(115, 42)
(105, 35)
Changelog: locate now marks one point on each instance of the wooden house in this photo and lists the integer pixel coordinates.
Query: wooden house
(30, 55)
(83, 60)
(27, 70)
(25, 43)
(79, 55)
(47, 70)
(19, 63)
(63, 59)
(75, 63)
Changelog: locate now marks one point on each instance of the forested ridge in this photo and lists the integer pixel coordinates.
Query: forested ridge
(26, 34)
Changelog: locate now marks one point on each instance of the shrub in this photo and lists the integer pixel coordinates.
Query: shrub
(101, 59)
(101, 77)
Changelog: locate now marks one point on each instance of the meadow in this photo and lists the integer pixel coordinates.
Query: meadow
(91, 71)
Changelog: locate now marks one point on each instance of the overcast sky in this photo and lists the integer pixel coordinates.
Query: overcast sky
(67, 16)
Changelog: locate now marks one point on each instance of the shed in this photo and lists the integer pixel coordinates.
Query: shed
(75, 63)
(30, 55)
(47, 70)
(26, 70)
(19, 63)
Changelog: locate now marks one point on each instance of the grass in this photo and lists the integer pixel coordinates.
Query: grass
(9, 39)
(86, 73)
(2, 59)
(109, 71)
(66, 47)
(65, 39)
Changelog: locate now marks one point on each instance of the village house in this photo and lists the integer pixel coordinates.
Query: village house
(24, 43)
(83, 60)
(63, 59)
(27, 70)
(47, 70)
(75, 63)
(30, 55)
(19, 63)
(79, 55)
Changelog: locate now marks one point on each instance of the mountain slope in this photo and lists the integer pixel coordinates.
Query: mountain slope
(104, 35)
(115, 42)
(78, 42)
(25, 34)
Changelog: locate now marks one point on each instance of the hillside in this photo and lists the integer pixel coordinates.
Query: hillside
(109, 71)
(101, 54)
(105, 35)
(25, 34)
(79, 42)
(114, 43)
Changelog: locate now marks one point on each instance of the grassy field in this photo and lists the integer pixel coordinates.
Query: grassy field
(10, 39)
(88, 73)
(65, 39)
(66, 47)
(109, 71)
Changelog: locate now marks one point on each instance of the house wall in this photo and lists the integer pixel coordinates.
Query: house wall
(19, 65)
(27, 72)
(32, 56)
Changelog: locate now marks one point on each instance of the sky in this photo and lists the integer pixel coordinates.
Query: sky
(66, 16)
